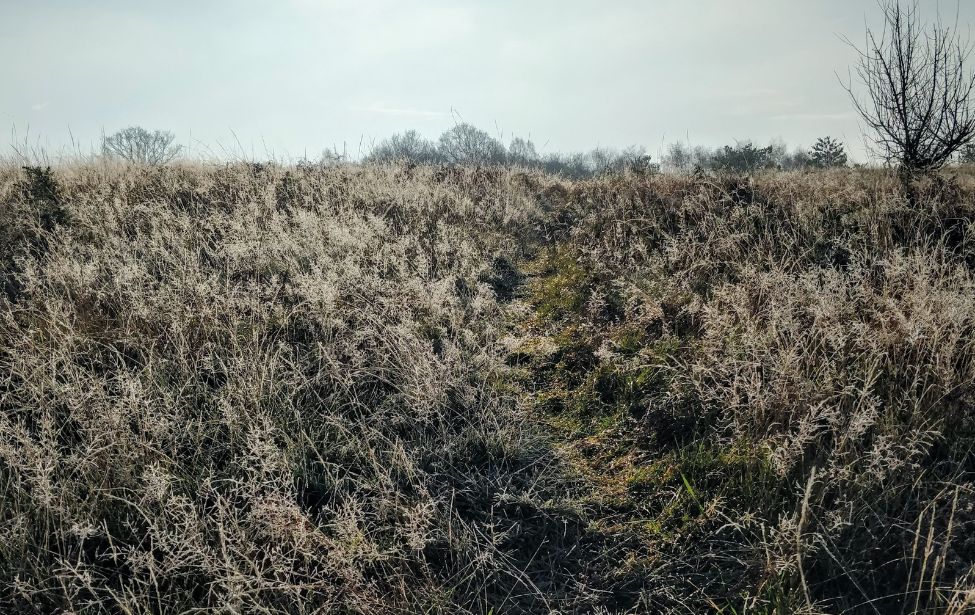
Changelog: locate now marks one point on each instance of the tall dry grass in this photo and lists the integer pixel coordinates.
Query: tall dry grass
(256, 389)
(782, 371)
(397, 388)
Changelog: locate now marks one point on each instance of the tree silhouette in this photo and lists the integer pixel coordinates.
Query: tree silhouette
(139, 146)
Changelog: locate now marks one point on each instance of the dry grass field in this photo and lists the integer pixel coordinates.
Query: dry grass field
(391, 388)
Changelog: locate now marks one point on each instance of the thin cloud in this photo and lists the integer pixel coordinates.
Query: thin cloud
(40, 105)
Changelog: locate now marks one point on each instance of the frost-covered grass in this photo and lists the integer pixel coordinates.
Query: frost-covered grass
(391, 388)
(772, 383)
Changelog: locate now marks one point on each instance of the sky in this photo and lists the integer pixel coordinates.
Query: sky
(287, 78)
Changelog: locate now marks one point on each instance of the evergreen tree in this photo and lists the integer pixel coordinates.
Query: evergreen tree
(828, 153)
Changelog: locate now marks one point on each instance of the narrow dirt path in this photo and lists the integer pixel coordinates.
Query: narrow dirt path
(598, 459)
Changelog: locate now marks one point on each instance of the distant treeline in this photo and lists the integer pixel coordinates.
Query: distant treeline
(467, 144)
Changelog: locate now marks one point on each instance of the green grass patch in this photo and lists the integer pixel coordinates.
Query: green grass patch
(564, 287)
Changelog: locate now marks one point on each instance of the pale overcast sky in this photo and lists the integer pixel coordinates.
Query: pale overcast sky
(294, 76)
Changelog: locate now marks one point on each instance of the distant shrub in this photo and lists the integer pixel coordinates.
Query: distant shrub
(597, 162)
(575, 165)
(794, 161)
(742, 157)
(329, 157)
(409, 146)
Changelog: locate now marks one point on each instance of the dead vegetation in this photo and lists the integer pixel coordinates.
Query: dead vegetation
(771, 382)
(380, 389)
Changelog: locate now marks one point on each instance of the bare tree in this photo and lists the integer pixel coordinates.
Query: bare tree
(919, 89)
(466, 144)
(409, 146)
(139, 146)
